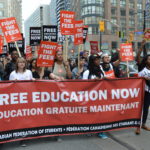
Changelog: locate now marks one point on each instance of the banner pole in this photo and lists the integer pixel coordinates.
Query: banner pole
(66, 51)
(17, 49)
(128, 69)
(79, 47)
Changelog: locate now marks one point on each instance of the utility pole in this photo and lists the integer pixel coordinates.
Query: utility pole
(144, 28)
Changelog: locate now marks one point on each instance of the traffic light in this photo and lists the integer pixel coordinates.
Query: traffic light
(121, 34)
(102, 26)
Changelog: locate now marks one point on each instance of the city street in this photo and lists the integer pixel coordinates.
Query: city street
(118, 140)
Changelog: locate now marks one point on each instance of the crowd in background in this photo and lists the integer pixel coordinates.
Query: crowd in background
(96, 66)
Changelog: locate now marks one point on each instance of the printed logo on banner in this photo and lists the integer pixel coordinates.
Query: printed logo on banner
(78, 32)
(67, 22)
(94, 47)
(46, 54)
(50, 33)
(5, 49)
(126, 52)
(28, 52)
(1, 44)
(35, 36)
(10, 29)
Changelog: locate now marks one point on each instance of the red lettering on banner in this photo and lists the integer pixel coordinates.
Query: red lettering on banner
(10, 29)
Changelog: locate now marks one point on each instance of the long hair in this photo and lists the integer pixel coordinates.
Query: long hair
(30, 66)
(21, 60)
(144, 61)
(93, 69)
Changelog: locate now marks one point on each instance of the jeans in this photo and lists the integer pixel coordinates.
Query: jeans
(146, 106)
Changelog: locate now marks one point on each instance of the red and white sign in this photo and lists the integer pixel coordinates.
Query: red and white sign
(10, 29)
(147, 34)
(1, 44)
(110, 74)
(94, 47)
(47, 108)
(46, 54)
(67, 22)
(126, 52)
(78, 32)
(28, 52)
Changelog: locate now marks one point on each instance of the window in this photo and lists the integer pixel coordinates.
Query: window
(131, 4)
(113, 11)
(131, 23)
(139, 6)
(123, 22)
(1, 5)
(122, 3)
(114, 20)
(114, 2)
(1, 14)
(93, 10)
(123, 12)
(131, 12)
(90, 30)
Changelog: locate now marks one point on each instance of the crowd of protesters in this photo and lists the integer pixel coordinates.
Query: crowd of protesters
(96, 66)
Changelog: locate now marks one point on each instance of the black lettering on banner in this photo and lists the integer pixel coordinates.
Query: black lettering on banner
(21, 45)
(50, 33)
(66, 129)
(35, 36)
(85, 32)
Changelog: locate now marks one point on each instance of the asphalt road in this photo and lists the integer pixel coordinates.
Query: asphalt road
(118, 140)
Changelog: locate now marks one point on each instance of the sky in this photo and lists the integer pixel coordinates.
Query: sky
(29, 6)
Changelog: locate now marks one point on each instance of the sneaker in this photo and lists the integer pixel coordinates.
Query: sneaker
(102, 135)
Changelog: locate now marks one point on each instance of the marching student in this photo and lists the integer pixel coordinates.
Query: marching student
(146, 74)
(109, 69)
(61, 68)
(21, 72)
(11, 66)
(94, 71)
(78, 73)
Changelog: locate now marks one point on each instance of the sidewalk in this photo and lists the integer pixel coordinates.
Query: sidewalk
(118, 140)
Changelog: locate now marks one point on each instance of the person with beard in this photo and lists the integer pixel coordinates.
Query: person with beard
(11, 66)
(110, 70)
(145, 73)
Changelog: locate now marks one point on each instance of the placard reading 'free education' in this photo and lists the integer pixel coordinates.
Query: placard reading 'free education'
(48, 108)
